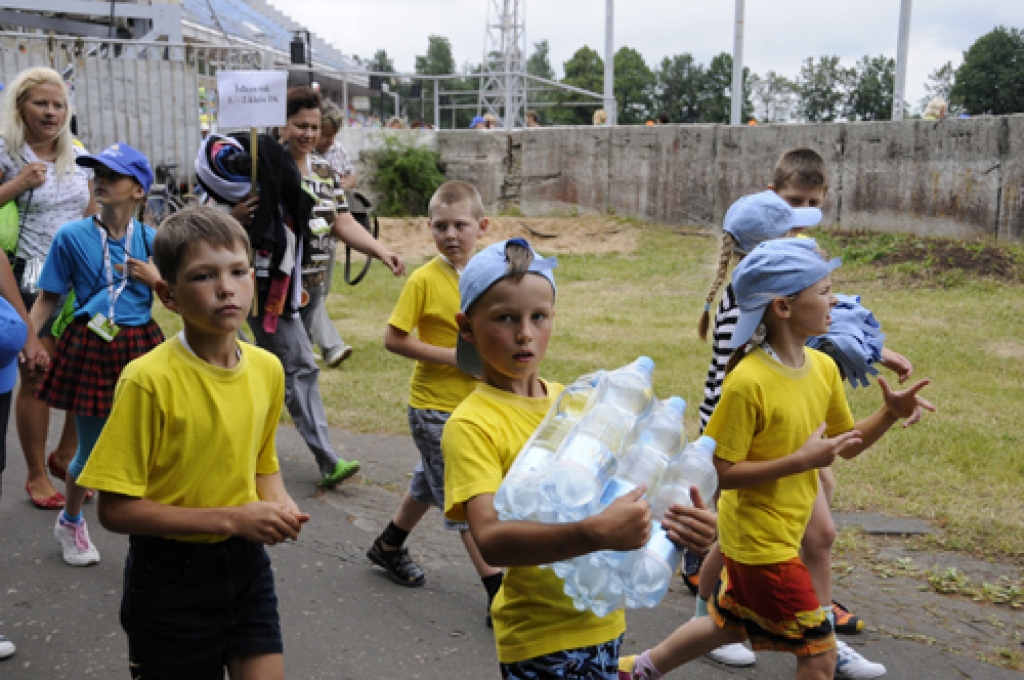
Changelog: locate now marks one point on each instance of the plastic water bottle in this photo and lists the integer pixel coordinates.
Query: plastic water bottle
(655, 441)
(646, 573)
(520, 496)
(590, 456)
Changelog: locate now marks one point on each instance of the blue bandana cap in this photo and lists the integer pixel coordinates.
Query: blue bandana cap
(854, 340)
(774, 269)
(124, 160)
(765, 216)
(484, 270)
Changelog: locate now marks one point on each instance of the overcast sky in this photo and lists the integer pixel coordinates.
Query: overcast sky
(779, 33)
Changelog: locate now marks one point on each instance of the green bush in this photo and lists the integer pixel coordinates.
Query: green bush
(405, 177)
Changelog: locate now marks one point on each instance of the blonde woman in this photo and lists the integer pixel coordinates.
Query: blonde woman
(38, 172)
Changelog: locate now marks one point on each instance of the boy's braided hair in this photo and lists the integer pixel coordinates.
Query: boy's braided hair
(725, 255)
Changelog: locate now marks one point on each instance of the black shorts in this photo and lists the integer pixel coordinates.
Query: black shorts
(188, 608)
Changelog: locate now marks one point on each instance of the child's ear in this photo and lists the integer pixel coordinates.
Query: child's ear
(483, 224)
(781, 307)
(166, 295)
(465, 327)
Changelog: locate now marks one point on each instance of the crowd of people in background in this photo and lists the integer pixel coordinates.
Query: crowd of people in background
(144, 413)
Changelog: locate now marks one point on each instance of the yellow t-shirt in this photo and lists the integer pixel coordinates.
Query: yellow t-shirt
(767, 411)
(428, 303)
(532, 615)
(188, 434)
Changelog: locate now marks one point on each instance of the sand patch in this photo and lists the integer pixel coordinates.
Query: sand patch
(1006, 350)
(557, 235)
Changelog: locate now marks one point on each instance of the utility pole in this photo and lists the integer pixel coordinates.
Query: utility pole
(502, 87)
(737, 67)
(902, 47)
(609, 61)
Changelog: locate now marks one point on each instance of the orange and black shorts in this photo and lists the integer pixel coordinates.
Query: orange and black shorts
(775, 605)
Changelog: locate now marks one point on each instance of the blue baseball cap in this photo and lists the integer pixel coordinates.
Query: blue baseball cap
(772, 270)
(765, 216)
(484, 270)
(854, 340)
(477, 120)
(13, 333)
(122, 159)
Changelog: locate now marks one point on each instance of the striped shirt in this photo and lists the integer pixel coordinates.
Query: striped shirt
(725, 323)
(338, 158)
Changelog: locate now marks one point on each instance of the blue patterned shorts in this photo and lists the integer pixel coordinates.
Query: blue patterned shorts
(600, 662)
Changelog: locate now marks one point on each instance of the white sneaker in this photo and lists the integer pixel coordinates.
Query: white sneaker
(74, 540)
(334, 359)
(735, 654)
(851, 665)
(7, 648)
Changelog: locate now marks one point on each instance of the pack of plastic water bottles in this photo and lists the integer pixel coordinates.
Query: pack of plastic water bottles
(604, 436)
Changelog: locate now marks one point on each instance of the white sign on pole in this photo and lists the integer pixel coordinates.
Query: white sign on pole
(251, 99)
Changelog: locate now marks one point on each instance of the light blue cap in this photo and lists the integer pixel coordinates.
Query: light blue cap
(484, 270)
(13, 333)
(476, 121)
(854, 340)
(772, 270)
(765, 216)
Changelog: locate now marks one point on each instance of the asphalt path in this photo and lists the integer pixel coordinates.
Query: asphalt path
(341, 617)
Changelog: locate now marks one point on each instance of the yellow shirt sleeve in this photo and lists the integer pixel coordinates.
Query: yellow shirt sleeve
(411, 303)
(267, 462)
(840, 418)
(734, 422)
(120, 460)
(472, 466)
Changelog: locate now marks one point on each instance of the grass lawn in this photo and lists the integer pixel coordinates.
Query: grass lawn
(962, 467)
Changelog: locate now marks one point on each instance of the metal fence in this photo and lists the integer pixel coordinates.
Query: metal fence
(143, 94)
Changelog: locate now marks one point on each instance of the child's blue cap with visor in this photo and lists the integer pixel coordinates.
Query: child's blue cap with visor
(124, 160)
(765, 216)
(854, 340)
(774, 269)
(484, 270)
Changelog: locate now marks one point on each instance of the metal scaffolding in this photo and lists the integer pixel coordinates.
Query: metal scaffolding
(503, 88)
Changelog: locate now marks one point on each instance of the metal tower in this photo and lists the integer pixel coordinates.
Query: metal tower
(503, 89)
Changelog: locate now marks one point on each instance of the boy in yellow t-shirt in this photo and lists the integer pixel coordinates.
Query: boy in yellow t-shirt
(428, 304)
(507, 296)
(187, 466)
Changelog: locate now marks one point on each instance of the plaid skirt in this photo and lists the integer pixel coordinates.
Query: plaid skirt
(85, 367)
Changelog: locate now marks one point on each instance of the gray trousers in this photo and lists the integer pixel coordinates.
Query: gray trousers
(291, 345)
(322, 332)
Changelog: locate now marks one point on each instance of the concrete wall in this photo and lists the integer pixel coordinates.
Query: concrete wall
(958, 178)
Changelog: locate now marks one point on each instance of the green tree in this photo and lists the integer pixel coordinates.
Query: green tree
(939, 84)
(716, 91)
(437, 61)
(773, 97)
(872, 83)
(823, 88)
(382, 103)
(991, 79)
(634, 87)
(677, 89)
(539, 63)
(585, 69)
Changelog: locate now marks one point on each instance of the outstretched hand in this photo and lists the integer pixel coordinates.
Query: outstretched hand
(905, 403)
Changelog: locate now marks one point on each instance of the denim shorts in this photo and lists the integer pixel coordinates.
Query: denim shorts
(598, 662)
(427, 484)
(188, 608)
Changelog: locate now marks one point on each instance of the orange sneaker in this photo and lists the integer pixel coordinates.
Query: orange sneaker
(847, 623)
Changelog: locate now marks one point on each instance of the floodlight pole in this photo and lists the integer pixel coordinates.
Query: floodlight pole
(609, 61)
(737, 67)
(902, 47)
